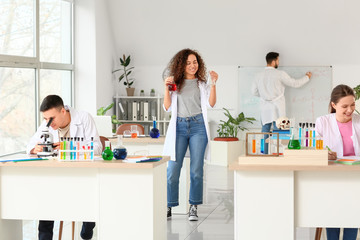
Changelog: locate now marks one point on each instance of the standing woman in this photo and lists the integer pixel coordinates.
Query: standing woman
(188, 125)
(341, 132)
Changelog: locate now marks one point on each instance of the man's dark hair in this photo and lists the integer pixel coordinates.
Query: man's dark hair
(271, 56)
(51, 101)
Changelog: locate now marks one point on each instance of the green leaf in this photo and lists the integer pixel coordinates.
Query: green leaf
(127, 74)
(121, 77)
(130, 83)
(122, 62)
(100, 111)
(108, 107)
(125, 83)
(127, 61)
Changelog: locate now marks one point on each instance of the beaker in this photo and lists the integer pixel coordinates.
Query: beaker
(134, 131)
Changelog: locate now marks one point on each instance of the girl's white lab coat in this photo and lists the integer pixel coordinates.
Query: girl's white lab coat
(81, 125)
(269, 85)
(169, 145)
(326, 127)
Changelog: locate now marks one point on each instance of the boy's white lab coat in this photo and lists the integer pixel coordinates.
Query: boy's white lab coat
(326, 127)
(81, 125)
(169, 145)
(269, 85)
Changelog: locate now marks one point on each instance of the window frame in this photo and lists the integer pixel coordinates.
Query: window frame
(12, 61)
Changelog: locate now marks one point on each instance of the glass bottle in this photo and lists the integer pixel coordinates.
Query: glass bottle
(294, 142)
(154, 133)
(119, 151)
(107, 154)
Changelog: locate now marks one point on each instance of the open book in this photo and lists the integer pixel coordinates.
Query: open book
(348, 160)
(139, 159)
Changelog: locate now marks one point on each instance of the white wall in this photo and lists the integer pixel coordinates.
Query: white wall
(94, 53)
(227, 33)
(231, 33)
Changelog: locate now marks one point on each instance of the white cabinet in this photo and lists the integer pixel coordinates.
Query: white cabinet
(142, 110)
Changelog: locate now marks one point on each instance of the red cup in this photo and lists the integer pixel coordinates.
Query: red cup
(172, 87)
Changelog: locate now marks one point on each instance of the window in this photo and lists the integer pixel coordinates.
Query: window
(35, 60)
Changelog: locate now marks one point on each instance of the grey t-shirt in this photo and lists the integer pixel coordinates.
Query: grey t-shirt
(189, 103)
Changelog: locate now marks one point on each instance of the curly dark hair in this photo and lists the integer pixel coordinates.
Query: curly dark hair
(177, 65)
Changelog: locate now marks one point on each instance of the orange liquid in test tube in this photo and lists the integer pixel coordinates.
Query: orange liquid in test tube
(253, 146)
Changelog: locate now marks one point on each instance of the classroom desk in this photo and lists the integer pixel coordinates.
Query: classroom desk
(126, 200)
(271, 201)
(154, 146)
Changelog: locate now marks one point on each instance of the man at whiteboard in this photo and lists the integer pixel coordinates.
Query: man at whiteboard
(269, 85)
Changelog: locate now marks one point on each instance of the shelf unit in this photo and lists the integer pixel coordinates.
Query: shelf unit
(154, 106)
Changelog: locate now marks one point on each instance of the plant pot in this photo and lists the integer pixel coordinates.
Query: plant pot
(130, 91)
(226, 139)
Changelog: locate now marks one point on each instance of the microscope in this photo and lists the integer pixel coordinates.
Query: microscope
(47, 142)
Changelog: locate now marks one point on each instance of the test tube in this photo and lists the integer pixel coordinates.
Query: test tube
(92, 148)
(78, 148)
(300, 132)
(254, 145)
(307, 135)
(311, 136)
(71, 148)
(314, 134)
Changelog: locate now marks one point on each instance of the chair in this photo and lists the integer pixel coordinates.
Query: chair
(102, 140)
(127, 126)
(318, 233)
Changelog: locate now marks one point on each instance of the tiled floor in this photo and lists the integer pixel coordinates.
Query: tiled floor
(216, 215)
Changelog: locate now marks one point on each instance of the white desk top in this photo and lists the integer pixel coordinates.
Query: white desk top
(54, 163)
(330, 167)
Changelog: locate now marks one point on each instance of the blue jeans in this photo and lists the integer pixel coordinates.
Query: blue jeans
(190, 132)
(334, 233)
(266, 128)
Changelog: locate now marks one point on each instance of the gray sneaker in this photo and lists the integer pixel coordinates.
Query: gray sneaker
(193, 213)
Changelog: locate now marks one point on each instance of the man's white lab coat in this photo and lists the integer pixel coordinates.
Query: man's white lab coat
(269, 85)
(81, 125)
(327, 127)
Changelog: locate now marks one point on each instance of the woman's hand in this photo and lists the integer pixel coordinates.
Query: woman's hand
(169, 80)
(332, 155)
(214, 77)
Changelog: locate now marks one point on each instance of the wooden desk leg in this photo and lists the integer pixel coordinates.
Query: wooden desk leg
(73, 230)
(318, 233)
(61, 229)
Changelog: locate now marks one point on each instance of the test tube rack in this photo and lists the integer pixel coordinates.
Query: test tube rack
(76, 155)
(247, 144)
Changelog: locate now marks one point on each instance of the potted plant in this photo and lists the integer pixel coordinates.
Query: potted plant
(152, 92)
(126, 71)
(228, 130)
(142, 93)
(104, 123)
(226, 148)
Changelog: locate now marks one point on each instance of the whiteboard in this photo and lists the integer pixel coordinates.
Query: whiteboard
(304, 104)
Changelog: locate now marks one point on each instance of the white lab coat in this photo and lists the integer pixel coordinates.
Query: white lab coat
(81, 125)
(169, 145)
(327, 127)
(269, 85)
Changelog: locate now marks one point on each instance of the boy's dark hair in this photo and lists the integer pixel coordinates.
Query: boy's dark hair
(271, 56)
(51, 101)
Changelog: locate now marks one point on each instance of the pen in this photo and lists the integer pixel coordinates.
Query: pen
(328, 148)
